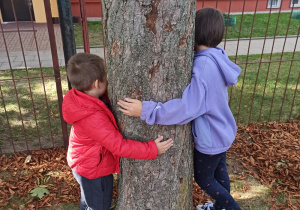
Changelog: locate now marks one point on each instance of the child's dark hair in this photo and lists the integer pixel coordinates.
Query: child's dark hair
(209, 27)
(83, 69)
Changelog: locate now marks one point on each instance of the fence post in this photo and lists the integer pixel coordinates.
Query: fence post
(67, 30)
(83, 21)
(56, 69)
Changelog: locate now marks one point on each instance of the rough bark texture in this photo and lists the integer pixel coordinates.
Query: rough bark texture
(149, 54)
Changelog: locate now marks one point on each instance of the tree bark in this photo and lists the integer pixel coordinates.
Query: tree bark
(149, 55)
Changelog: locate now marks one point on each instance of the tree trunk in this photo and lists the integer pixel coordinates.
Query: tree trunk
(149, 55)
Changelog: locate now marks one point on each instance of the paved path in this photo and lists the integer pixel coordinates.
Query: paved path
(256, 45)
(26, 29)
(32, 59)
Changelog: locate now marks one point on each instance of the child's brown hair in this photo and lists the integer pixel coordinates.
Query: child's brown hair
(209, 27)
(83, 69)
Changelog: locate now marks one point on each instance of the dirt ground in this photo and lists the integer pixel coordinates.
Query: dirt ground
(263, 164)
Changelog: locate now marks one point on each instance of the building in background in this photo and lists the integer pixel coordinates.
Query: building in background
(23, 8)
(93, 8)
(237, 6)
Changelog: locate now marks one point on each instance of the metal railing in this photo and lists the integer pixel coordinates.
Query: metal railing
(27, 117)
(261, 106)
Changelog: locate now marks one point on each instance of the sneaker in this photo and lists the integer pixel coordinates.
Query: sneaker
(207, 206)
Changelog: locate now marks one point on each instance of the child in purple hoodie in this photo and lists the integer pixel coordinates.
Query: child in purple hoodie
(205, 103)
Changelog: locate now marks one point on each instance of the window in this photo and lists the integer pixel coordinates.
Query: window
(274, 3)
(295, 3)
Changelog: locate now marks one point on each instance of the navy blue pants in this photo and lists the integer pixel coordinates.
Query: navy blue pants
(211, 175)
(96, 194)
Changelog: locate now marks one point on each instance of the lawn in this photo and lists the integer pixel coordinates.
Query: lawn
(261, 25)
(272, 101)
(95, 33)
(46, 110)
(259, 29)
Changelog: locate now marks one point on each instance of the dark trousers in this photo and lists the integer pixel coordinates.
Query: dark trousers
(96, 194)
(211, 175)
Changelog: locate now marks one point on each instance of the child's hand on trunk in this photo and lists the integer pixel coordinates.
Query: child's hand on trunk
(162, 147)
(131, 107)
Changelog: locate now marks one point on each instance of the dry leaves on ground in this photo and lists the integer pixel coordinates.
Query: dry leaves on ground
(268, 151)
(27, 175)
(46, 168)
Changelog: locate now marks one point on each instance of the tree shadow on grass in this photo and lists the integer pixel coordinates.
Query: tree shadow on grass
(26, 122)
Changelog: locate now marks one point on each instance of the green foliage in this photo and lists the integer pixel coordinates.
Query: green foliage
(43, 180)
(39, 191)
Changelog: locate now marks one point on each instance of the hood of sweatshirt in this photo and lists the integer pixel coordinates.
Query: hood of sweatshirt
(78, 105)
(229, 70)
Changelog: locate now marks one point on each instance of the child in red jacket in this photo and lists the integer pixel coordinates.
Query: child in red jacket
(95, 143)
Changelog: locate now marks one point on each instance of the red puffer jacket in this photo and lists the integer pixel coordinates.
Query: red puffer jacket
(95, 143)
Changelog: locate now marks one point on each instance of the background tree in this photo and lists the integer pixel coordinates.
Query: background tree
(149, 55)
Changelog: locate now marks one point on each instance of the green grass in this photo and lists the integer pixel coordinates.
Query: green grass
(260, 26)
(286, 83)
(94, 30)
(48, 121)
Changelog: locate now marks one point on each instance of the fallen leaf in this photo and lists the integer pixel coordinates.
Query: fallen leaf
(236, 195)
(39, 192)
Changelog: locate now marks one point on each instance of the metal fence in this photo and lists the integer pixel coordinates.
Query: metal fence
(33, 80)
(31, 99)
(270, 67)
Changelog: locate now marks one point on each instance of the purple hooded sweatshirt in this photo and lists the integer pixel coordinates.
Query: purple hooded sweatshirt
(204, 102)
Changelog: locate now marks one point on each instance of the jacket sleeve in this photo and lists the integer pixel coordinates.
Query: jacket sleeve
(101, 129)
(177, 111)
